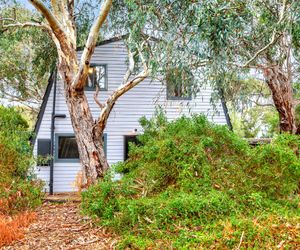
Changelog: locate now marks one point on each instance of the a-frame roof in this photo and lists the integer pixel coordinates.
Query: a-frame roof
(52, 79)
(50, 84)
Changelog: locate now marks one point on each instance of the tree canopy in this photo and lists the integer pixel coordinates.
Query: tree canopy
(28, 55)
(225, 41)
(220, 42)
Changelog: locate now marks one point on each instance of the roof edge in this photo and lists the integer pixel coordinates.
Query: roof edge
(42, 108)
(107, 41)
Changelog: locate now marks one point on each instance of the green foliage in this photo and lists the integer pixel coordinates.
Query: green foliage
(27, 57)
(222, 42)
(257, 121)
(11, 120)
(251, 111)
(28, 54)
(17, 191)
(190, 180)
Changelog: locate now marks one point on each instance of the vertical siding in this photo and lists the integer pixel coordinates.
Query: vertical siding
(138, 102)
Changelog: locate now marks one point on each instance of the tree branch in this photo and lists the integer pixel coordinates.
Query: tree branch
(263, 104)
(110, 102)
(90, 45)
(126, 77)
(130, 66)
(53, 22)
(96, 98)
(273, 38)
(26, 24)
(7, 19)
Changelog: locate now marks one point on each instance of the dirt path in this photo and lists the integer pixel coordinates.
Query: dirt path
(60, 226)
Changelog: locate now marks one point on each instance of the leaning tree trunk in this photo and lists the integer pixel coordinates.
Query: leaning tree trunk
(87, 132)
(89, 140)
(282, 94)
(61, 27)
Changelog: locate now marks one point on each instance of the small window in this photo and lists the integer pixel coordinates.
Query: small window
(129, 139)
(97, 77)
(179, 83)
(67, 149)
(43, 152)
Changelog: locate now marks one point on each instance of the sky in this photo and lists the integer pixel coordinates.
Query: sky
(26, 4)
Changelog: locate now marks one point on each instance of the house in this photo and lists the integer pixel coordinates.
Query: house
(54, 133)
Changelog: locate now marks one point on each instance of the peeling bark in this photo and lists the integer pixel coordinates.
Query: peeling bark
(88, 132)
(74, 74)
(282, 94)
(89, 140)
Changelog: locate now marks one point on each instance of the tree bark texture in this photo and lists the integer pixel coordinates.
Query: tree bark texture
(89, 139)
(282, 94)
(61, 27)
(59, 23)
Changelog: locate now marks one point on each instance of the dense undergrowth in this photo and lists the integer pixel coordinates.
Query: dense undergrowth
(18, 191)
(196, 185)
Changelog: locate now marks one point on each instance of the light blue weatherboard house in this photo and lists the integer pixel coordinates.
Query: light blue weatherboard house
(54, 133)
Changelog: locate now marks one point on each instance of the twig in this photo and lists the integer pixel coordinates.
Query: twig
(7, 19)
(96, 98)
(26, 24)
(241, 240)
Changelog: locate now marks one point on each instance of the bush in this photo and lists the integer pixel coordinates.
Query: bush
(187, 177)
(18, 190)
(12, 228)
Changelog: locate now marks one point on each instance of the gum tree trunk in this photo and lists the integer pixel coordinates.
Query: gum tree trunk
(282, 94)
(60, 25)
(89, 140)
(87, 132)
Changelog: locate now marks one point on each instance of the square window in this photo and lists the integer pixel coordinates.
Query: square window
(97, 77)
(67, 148)
(43, 152)
(179, 83)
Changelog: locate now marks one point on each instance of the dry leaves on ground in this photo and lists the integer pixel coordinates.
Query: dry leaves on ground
(60, 226)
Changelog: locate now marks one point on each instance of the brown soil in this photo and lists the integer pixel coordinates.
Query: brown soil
(60, 226)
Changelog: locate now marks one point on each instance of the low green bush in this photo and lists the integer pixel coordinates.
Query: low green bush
(18, 190)
(187, 178)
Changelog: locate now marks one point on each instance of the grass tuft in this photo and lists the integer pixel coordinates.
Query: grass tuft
(13, 227)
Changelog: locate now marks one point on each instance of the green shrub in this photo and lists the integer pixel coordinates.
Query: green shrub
(189, 174)
(18, 190)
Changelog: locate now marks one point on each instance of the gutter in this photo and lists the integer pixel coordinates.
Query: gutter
(53, 117)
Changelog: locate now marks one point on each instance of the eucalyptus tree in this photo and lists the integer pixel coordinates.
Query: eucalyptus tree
(26, 58)
(227, 37)
(58, 21)
(268, 43)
